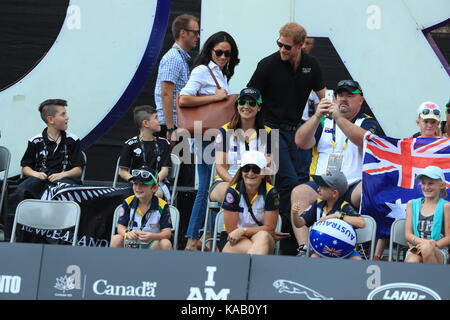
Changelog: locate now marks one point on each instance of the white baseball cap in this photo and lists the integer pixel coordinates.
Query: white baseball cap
(429, 110)
(254, 157)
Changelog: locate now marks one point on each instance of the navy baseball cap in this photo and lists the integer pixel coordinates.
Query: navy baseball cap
(252, 93)
(351, 86)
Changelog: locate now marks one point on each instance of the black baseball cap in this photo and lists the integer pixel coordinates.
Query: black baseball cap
(351, 86)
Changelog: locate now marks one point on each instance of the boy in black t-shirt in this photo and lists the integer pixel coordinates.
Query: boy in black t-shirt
(52, 156)
(146, 149)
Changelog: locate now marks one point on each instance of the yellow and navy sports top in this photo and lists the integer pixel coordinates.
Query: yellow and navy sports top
(267, 199)
(331, 139)
(228, 143)
(154, 220)
(316, 211)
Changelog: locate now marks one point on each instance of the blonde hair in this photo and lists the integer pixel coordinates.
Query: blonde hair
(295, 31)
(438, 132)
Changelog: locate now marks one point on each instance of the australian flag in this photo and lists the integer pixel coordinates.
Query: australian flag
(390, 168)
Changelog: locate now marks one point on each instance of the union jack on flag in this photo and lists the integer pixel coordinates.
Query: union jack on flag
(332, 251)
(390, 168)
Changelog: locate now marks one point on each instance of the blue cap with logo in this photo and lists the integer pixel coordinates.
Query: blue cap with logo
(253, 93)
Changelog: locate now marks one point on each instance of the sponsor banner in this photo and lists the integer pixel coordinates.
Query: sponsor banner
(97, 206)
(19, 271)
(292, 278)
(106, 273)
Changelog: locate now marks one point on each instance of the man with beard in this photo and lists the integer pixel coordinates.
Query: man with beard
(336, 132)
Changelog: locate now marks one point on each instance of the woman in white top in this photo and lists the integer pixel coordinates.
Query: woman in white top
(220, 55)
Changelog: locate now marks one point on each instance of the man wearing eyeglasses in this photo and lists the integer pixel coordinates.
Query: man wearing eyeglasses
(285, 80)
(174, 70)
(336, 132)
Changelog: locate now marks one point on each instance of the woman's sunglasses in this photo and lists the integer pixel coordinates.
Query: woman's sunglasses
(251, 103)
(219, 53)
(252, 167)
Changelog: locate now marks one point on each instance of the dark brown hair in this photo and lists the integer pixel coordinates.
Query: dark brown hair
(48, 107)
(141, 113)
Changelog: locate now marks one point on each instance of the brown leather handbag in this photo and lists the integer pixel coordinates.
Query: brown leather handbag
(212, 115)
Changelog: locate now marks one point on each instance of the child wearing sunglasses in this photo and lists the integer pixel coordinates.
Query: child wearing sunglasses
(429, 120)
(245, 132)
(427, 227)
(144, 221)
(251, 209)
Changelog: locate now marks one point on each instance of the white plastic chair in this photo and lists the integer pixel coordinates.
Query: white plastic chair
(116, 173)
(5, 160)
(47, 215)
(174, 174)
(83, 173)
(210, 206)
(175, 217)
(397, 237)
(368, 233)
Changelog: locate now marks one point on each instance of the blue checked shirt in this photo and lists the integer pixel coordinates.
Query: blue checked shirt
(173, 68)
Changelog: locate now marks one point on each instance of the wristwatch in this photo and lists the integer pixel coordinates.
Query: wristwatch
(171, 129)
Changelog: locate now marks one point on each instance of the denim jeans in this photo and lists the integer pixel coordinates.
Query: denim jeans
(199, 209)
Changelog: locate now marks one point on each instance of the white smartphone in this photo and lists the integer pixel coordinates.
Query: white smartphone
(329, 95)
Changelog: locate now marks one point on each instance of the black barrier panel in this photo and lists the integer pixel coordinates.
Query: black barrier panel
(19, 270)
(105, 273)
(291, 278)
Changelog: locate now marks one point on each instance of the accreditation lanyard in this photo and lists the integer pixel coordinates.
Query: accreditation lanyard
(336, 158)
(65, 161)
(144, 219)
(157, 153)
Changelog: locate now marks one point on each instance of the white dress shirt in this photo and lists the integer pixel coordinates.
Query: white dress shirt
(201, 82)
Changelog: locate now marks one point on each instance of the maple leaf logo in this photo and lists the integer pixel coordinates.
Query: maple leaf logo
(65, 283)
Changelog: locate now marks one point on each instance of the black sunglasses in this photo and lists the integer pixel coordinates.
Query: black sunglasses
(196, 32)
(350, 83)
(251, 103)
(219, 53)
(436, 112)
(286, 46)
(252, 167)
